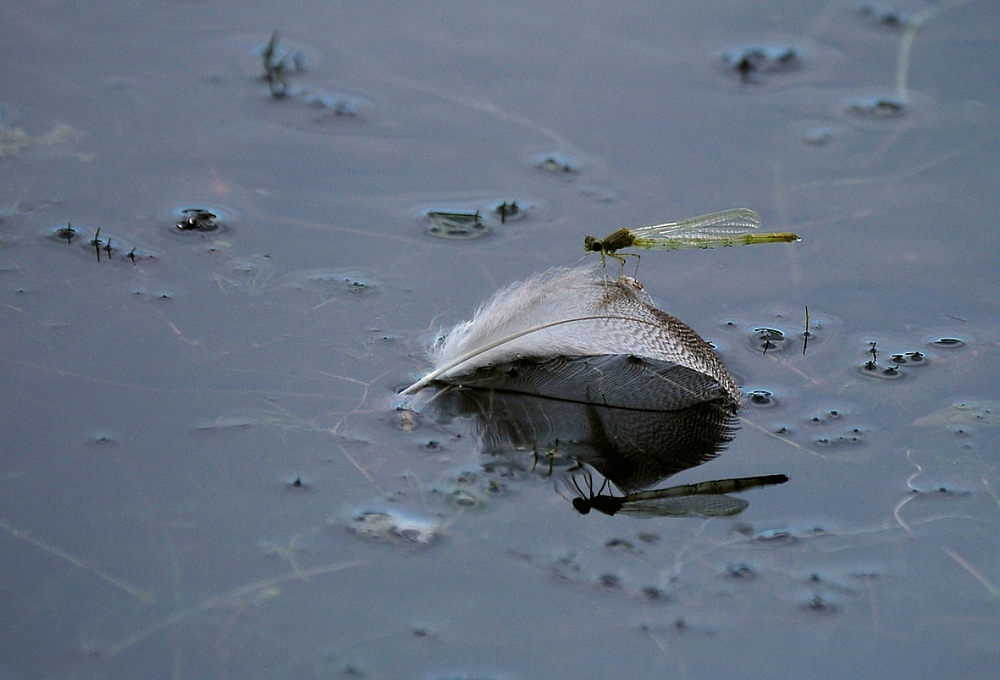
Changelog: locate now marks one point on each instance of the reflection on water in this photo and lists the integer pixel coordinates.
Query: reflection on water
(704, 499)
(631, 449)
(634, 449)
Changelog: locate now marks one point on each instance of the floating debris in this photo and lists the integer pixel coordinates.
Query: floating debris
(826, 416)
(67, 233)
(277, 69)
(775, 536)
(984, 413)
(761, 398)
(768, 339)
(820, 604)
(336, 106)
(394, 528)
(557, 163)
(820, 135)
(876, 107)
(198, 219)
(456, 225)
(746, 61)
(508, 211)
(909, 358)
(883, 16)
(871, 369)
(741, 571)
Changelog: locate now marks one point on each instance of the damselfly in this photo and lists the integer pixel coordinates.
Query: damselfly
(716, 230)
(705, 499)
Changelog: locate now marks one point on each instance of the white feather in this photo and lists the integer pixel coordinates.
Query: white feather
(570, 313)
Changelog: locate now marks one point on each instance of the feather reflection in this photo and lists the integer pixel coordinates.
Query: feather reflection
(632, 450)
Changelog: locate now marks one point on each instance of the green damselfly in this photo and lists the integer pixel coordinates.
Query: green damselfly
(715, 230)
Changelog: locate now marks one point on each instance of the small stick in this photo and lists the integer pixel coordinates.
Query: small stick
(806, 334)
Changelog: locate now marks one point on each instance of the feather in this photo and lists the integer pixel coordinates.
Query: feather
(574, 313)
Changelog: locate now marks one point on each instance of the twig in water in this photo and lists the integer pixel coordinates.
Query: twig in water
(806, 335)
(872, 363)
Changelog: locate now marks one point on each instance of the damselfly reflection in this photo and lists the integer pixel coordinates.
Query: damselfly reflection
(715, 230)
(705, 499)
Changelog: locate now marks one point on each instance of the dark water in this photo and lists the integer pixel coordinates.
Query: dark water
(203, 472)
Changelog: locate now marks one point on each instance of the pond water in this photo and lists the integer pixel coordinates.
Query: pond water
(205, 473)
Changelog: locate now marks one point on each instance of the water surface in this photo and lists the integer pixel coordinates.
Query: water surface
(195, 434)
